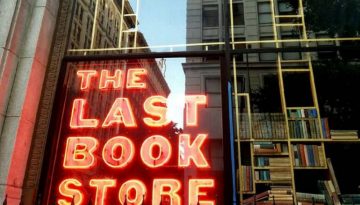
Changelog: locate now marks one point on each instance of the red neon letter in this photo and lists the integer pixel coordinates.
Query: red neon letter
(120, 112)
(133, 78)
(194, 191)
(79, 152)
(77, 116)
(86, 76)
(127, 152)
(133, 192)
(192, 102)
(156, 111)
(192, 151)
(147, 154)
(74, 194)
(106, 80)
(101, 189)
(172, 186)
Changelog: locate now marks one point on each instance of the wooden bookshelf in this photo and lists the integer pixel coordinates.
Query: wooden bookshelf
(298, 127)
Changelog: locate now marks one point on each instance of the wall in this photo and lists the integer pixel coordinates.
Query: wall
(25, 42)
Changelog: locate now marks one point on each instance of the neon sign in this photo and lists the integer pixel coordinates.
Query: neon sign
(114, 146)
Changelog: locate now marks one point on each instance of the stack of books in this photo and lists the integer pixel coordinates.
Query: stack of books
(344, 134)
(282, 174)
(280, 195)
(270, 148)
(328, 189)
(246, 179)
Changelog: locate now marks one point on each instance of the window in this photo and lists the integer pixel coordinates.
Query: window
(291, 55)
(238, 11)
(264, 10)
(267, 56)
(287, 7)
(211, 48)
(212, 85)
(213, 91)
(240, 82)
(210, 16)
(240, 57)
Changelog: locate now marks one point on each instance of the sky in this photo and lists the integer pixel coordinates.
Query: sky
(163, 22)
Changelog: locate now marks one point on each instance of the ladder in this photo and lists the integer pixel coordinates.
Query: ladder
(296, 21)
(128, 13)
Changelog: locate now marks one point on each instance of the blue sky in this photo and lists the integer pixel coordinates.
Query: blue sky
(163, 22)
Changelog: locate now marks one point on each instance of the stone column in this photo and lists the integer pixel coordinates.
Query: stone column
(26, 34)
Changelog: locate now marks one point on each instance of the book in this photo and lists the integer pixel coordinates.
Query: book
(333, 177)
(344, 134)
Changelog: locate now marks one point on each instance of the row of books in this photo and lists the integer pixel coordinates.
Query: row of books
(268, 126)
(262, 175)
(308, 155)
(246, 182)
(304, 124)
(307, 129)
(270, 148)
(272, 161)
(274, 174)
(309, 198)
(302, 113)
(264, 126)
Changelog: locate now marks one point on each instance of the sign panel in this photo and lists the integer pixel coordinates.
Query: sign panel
(113, 144)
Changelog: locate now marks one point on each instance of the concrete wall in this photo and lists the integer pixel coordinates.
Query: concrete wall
(26, 33)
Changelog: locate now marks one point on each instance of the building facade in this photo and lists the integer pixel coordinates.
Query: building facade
(35, 36)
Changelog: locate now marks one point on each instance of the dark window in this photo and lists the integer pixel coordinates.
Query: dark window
(288, 7)
(240, 82)
(212, 85)
(211, 47)
(267, 56)
(213, 91)
(325, 54)
(210, 16)
(291, 55)
(238, 11)
(264, 10)
(240, 57)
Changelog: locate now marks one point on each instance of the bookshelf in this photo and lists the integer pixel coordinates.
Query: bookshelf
(278, 151)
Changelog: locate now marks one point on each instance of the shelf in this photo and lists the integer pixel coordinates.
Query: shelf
(343, 140)
(323, 140)
(271, 154)
(299, 140)
(267, 167)
(302, 118)
(248, 192)
(273, 182)
(307, 140)
(310, 167)
(296, 108)
(262, 140)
